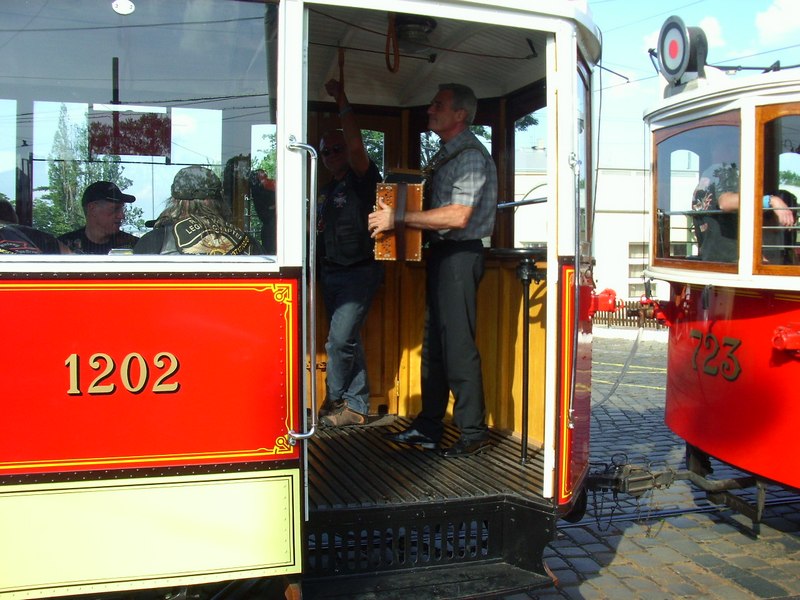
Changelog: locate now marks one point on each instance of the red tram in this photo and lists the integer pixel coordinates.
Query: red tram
(725, 182)
(158, 427)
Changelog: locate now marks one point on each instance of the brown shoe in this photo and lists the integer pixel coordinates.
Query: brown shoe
(343, 416)
(330, 406)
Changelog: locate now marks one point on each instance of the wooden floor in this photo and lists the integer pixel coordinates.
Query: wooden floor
(357, 468)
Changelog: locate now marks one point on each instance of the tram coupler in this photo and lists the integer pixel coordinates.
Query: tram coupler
(630, 479)
(650, 309)
(636, 480)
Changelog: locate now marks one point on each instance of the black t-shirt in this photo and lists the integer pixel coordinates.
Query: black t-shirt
(80, 244)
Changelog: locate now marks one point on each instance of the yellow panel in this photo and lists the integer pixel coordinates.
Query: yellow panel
(76, 538)
(393, 343)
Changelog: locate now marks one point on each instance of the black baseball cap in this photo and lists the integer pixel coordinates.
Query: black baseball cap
(105, 190)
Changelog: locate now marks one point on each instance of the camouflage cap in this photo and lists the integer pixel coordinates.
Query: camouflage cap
(196, 183)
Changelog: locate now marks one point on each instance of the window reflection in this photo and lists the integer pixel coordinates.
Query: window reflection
(781, 159)
(530, 180)
(132, 101)
(698, 192)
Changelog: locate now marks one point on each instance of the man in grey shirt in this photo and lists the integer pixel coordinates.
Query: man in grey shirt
(463, 201)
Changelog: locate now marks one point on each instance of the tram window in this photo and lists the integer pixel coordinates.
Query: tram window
(584, 160)
(374, 144)
(697, 191)
(8, 137)
(151, 93)
(530, 180)
(781, 188)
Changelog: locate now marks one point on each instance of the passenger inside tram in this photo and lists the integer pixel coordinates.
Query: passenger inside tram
(196, 220)
(716, 202)
(717, 232)
(349, 274)
(103, 206)
(262, 193)
(778, 240)
(20, 239)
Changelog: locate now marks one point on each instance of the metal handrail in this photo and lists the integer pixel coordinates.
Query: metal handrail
(309, 285)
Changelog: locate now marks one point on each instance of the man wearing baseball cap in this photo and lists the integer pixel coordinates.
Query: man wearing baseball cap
(104, 206)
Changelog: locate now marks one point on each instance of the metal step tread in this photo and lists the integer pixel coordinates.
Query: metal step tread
(357, 468)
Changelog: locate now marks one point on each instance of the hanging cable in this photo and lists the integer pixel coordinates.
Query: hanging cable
(341, 72)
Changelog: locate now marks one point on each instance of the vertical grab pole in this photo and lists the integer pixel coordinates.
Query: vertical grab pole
(309, 285)
(575, 164)
(524, 273)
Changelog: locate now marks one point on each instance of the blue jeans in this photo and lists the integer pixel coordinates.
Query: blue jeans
(348, 293)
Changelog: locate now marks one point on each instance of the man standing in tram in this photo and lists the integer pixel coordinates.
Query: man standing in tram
(104, 207)
(462, 205)
(349, 274)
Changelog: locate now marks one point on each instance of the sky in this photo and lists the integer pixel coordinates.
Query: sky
(749, 33)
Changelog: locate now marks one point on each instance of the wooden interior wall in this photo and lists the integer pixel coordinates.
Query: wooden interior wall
(393, 341)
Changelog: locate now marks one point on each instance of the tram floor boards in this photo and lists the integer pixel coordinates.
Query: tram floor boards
(357, 468)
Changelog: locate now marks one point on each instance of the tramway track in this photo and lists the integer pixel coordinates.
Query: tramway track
(628, 513)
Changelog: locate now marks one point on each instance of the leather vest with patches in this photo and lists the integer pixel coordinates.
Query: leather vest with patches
(190, 236)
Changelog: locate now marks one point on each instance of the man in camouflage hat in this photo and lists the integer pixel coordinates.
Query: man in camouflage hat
(195, 220)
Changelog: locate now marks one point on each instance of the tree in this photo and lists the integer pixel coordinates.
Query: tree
(70, 171)
(430, 141)
(789, 177)
(373, 144)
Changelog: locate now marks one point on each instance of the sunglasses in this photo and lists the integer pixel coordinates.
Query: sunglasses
(335, 149)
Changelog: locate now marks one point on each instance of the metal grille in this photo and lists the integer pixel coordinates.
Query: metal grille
(376, 506)
(402, 543)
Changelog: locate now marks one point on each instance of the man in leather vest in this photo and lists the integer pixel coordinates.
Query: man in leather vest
(349, 274)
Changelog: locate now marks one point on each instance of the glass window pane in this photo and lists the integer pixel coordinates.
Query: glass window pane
(779, 236)
(132, 100)
(530, 180)
(698, 194)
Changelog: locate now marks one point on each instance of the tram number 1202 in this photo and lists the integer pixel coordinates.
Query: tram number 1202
(166, 362)
(718, 358)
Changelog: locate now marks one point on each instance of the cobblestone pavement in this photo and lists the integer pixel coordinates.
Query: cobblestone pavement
(672, 542)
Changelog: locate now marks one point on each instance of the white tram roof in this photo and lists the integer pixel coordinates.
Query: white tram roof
(491, 51)
(720, 92)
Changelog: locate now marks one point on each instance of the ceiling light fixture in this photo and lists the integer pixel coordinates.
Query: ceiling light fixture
(123, 7)
(413, 32)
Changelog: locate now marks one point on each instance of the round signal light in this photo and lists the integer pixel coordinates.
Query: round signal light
(673, 49)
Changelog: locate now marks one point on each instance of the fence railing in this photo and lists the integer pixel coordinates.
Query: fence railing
(626, 315)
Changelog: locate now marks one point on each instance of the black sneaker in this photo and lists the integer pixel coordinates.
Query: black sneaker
(466, 448)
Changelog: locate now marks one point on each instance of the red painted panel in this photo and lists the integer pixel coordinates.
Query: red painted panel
(115, 374)
(574, 417)
(730, 391)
